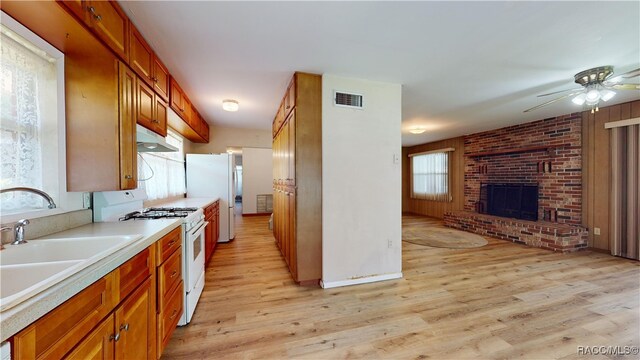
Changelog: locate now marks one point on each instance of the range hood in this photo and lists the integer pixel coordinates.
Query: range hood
(148, 141)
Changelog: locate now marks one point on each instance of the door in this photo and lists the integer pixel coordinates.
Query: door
(160, 79)
(98, 345)
(140, 56)
(145, 98)
(160, 118)
(127, 127)
(132, 322)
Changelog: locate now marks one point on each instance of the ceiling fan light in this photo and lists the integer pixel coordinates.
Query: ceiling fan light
(417, 130)
(606, 94)
(580, 99)
(593, 95)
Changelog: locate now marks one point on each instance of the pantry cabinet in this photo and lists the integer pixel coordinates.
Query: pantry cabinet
(297, 178)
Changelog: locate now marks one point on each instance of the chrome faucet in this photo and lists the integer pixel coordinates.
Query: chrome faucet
(18, 231)
(52, 205)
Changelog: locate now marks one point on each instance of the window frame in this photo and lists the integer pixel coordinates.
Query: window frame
(438, 197)
(65, 201)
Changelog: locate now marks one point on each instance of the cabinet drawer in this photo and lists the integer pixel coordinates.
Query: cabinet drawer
(53, 335)
(168, 244)
(134, 272)
(169, 316)
(169, 275)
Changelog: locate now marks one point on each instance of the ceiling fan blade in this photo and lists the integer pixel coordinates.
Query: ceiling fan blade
(624, 86)
(558, 92)
(627, 75)
(552, 101)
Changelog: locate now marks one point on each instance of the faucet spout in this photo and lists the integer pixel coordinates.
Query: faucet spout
(52, 204)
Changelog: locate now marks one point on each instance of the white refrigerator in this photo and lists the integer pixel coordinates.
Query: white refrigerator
(213, 176)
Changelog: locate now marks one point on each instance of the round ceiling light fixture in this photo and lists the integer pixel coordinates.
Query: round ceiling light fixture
(417, 130)
(230, 105)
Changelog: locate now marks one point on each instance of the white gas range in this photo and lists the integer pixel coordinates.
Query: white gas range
(128, 206)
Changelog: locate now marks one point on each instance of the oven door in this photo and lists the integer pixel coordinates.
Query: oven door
(194, 256)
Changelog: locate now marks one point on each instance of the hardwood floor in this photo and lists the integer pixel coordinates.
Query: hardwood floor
(499, 301)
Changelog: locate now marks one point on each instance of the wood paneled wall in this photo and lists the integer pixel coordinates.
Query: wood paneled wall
(456, 168)
(596, 168)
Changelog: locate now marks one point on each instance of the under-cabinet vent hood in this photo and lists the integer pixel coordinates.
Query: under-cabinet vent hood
(148, 141)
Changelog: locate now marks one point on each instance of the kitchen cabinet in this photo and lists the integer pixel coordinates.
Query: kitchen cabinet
(190, 122)
(212, 232)
(177, 98)
(107, 21)
(151, 110)
(67, 326)
(297, 176)
(141, 57)
(170, 288)
(128, 101)
(160, 79)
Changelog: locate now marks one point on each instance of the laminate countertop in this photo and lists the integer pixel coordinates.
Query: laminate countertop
(26, 312)
(188, 202)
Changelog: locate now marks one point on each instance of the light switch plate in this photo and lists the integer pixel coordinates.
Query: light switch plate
(396, 159)
(596, 231)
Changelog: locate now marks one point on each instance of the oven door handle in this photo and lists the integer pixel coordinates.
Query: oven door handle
(196, 232)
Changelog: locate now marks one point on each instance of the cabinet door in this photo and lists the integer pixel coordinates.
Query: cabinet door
(132, 324)
(144, 111)
(291, 219)
(291, 148)
(111, 25)
(140, 56)
(160, 79)
(160, 117)
(127, 128)
(169, 316)
(98, 345)
(290, 98)
(78, 8)
(176, 99)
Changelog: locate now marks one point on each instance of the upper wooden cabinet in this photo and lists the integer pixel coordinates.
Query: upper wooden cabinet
(151, 110)
(290, 98)
(128, 101)
(177, 98)
(160, 79)
(141, 57)
(107, 20)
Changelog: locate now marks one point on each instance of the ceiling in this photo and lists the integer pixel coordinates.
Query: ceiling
(464, 66)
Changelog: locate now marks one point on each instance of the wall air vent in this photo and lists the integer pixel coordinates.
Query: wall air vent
(347, 100)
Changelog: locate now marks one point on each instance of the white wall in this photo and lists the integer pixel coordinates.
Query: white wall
(223, 137)
(361, 184)
(257, 176)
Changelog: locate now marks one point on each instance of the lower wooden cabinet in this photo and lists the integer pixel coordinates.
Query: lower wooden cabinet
(212, 232)
(123, 315)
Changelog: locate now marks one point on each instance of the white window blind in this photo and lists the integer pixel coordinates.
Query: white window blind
(28, 122)
(430, 176)
(162, 175)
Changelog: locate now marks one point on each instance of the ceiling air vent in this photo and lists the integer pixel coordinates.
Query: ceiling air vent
(347, 100)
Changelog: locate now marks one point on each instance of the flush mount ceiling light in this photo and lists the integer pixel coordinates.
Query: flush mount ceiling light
(598, 85)
(417, 130)
(230, 105)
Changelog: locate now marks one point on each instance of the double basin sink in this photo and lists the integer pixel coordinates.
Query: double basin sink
(30, 268)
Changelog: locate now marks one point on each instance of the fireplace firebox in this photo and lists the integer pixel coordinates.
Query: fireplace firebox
(518, 201)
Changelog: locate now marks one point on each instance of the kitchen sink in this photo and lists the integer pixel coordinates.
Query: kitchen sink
(38, 251)
(30, 268)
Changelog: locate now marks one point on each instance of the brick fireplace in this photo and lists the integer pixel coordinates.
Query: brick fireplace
(546, 153)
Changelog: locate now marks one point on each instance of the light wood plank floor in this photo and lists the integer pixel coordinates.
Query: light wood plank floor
(499, 301)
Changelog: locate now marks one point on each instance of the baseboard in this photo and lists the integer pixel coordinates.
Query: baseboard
(257, 214)
(363, 280)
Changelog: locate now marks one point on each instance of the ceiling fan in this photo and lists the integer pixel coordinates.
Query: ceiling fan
(597, 84)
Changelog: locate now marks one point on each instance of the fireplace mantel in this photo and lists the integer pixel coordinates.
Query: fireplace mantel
(519, 150)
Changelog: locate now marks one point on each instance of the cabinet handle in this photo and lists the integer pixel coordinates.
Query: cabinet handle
(92, 10)
(124, 327)
(128, 177)
(154, 121)
(175, 312)
(171, 242)
(173, 274)
(115, 337)
(97, 17)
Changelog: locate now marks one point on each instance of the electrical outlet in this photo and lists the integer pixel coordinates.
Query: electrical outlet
(596, 231)
(86, 200)
(390, 243)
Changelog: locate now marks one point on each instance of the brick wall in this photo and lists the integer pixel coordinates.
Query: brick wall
(557, 172)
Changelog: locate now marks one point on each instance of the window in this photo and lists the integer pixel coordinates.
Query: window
(32, 135)
(160, 174)
(430, 175)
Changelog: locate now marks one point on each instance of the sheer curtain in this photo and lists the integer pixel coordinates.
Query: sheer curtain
(28, 85)
(625, 191)
(162, 175)
(430, 176)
